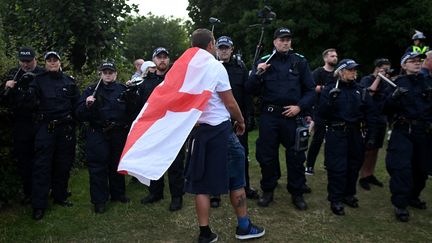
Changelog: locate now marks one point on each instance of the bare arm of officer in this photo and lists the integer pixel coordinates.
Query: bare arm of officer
(291, 110)
(263, 66)
(374, 86)
(230, 103)
(10, 84)
(90, 100)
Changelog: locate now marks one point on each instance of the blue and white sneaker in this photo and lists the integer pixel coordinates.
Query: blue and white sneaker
(251, 232)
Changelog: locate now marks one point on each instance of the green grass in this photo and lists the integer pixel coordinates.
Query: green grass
(372, 222)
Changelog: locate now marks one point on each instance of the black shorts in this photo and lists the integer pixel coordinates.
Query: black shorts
(207, 160)
(375, 135)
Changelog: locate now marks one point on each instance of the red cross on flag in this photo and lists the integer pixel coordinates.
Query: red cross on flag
(165, 121)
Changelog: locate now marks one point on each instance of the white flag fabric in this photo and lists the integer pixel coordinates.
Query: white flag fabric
(165, 121)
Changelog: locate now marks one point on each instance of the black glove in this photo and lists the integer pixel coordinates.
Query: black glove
(427, 93)
(334, 93)
(399, 92)
(250, 124)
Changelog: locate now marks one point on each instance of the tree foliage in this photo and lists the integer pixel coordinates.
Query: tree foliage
(150, 32)
(361, 29)
(84, 31)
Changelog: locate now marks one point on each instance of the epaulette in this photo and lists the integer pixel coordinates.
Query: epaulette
(70, 77)
(300, 55)
(265, 57)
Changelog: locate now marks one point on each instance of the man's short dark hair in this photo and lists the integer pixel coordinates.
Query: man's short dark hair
(201, 38)
(325, 52)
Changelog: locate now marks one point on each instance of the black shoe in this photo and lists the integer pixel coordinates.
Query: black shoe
(351, 201)
(251, 193)
(306, 189)
(208, 239)
(38, 213)
(122, 199)
(64, 203)
(374, 181)
(265, 199)
(215, 201)
(99, 208)
(176, 204)
(363, 182)
(299, 202)
(402, 214)
(417, 203)
(337, 208)
(68, 194)
(151, 199)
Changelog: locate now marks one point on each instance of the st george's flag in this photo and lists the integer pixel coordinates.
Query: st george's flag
(165, 121)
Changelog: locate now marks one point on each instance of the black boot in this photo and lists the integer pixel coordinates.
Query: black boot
(38, 213)
(402, 214)
(337, 208)
(299, 202)
(176, 204)
(265, 199)
(151, 198)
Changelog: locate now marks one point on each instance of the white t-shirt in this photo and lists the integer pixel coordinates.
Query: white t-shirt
(215, 112)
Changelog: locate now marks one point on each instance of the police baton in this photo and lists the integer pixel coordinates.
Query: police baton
(260, 70)
(387, 80)
(14, 79)
(97, 87)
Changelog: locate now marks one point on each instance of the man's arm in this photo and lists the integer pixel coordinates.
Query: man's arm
(230, 103)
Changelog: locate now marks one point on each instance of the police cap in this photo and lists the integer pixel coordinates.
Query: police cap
(51, 54)
(346, 64)
(160, 50)
(108, 66)
(224, 41)
(26, 54)
(411, 55)
(282, 32)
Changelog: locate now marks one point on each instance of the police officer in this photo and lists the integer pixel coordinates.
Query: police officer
(56, 96)
(104, 107)
(344, 106)
(322, 77)
(14, 98)
(418, 43)
(175, 171)
(376, 126)
(408, 152)
(238, 76)
(287, 89)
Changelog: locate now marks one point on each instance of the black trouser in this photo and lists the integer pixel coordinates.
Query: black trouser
(344, 153)
(54, 156)
(274, 130)
(315, 144)
(175, 178)
(23, 151)
(407, 161)
(103, 151)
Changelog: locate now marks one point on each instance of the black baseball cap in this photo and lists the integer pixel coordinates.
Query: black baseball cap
(26, 54)
(346, 64)
(381, 61)
(50, 54)
(160, 50)
(108, 65)
(224, 41)
(282, 32)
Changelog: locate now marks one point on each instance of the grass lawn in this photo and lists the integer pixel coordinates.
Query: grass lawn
(374, 221)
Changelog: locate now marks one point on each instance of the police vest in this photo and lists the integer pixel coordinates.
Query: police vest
(421, 50)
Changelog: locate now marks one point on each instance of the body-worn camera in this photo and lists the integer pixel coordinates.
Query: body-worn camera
(302, 136)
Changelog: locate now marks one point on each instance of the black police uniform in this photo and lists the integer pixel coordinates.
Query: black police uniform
(321, 77)
(288, 81)
(109, 119)
(238, 76)
(175, 171)
(408, 153)
(344, 147)
(23, 127)
(377, 122)
(56, 96)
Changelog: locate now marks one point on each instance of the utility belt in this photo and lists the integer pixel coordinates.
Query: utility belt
(274, 109)
(343, 126)
(409, 125)
(54, 123)
(109, 126)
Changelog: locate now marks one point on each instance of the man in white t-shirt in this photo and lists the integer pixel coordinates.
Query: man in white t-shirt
(207, 166)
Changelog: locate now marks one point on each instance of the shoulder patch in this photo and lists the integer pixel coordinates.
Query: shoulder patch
(300, 55)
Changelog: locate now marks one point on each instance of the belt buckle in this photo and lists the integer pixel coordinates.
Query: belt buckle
(270, 109)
